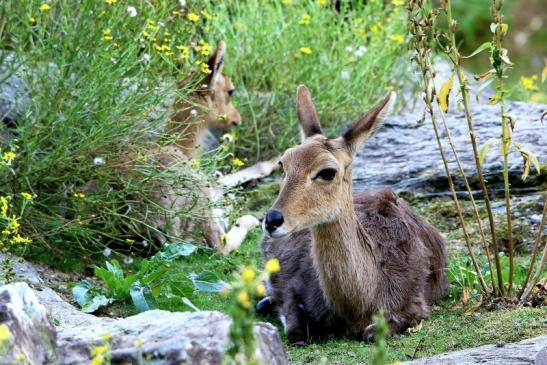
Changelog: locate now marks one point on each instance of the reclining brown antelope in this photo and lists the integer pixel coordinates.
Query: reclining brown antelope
(346, 256)
(210, 106)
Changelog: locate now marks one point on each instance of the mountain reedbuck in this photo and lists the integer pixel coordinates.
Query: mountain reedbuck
(210, 106)
(346, 256)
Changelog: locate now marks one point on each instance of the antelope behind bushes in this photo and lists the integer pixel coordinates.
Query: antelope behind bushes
(210, 106)
(346, 255)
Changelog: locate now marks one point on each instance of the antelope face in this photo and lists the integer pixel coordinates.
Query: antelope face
(317, 174)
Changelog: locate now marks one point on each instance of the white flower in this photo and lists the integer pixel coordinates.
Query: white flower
(349, 49)
(97, 161)
(107, 252)
(128, 260)
(146, 58)
(182, 2)
(345, 74)
(132, 11)
(360, 51)
(144, 243)
(193, 112)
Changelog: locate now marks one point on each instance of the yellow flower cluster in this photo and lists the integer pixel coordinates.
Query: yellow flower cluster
(305, 50)
(107, 34)
(5, 334)
(305, 19)
(193, 17)
(10, 232)
(204, 48)
(252, 286)
(79, 195)
(45, 7)
(8, 157)
(529, 83)
(398, 38)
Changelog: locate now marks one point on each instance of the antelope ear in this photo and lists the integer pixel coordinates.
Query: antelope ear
(216, 62)
(307, 115)
(367, 125)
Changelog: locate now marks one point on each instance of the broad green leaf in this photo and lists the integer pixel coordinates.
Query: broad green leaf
(174, 251)
(81, 292)
(142, 297)
(95, 303)
(444, 94)
(485, 148)
(208, 282)
(482, 47)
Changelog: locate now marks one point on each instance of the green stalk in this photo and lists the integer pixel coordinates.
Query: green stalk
(465, 96)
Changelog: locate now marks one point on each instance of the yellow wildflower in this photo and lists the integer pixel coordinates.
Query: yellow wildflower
(176, 13)
(79, 195)
(98, 350)
(248, 275)
(5, 334)
(107, 34)
(287, 2)
(272, 266)
(204, 48)
(107, 336)
(397, 2)
(398, 38)
(204, 67)
(45, 7)
(32, 20)
(305, 19)
(138, 343)
(305, 50)
(243, 299)
(237, 162)
(26, 196)
(9, 156)
(19, 239)
(110, 2)
(376, 28)
(322, 2)
(184, 52)
(196, 164)
(21, 358)
(529, 83)
(193, 17)
(129, 241)
(4, 207)
(14, 225)
(260, 290)
(97, 360)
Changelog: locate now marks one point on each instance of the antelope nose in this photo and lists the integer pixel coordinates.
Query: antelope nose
(273, 220)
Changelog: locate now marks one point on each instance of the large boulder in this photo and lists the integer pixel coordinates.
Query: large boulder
(531, 351)
(154, 337)
(403, 154)
(30, 334)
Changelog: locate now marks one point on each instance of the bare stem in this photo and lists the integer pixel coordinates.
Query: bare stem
(524, 292)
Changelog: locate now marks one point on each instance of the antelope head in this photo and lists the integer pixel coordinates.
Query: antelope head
(316, 185)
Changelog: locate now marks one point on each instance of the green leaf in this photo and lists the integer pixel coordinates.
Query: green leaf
(142, 297)
(81, 292)
(208, 282)
(485, 148)
(95, 303)
(189, 303)
(482, 47)
(174, 251)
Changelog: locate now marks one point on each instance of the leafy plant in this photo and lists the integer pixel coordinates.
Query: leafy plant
(147, 285)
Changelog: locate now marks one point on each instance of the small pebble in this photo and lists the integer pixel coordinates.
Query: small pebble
(500, 344)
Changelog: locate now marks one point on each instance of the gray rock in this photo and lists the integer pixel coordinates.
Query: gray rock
(525, 352)
(20, 269)
(403, 154)
(14, 98)
(166, 337)
(32, 333)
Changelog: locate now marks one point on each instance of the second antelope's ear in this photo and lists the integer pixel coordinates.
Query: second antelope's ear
(307, 115)
(216, 62)
(367, 125)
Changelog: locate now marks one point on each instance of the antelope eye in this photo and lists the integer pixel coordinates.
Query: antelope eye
(281, 167)
(326, 174)
(231, 92)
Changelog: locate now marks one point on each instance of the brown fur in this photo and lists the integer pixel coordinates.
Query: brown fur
(363, 252)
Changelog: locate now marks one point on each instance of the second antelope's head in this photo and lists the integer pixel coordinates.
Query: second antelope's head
(213, 98)
(316, 186)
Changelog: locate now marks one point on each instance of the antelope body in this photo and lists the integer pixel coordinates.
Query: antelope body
(346, 256)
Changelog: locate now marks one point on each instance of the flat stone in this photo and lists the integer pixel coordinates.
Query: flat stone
(403, 155)
(531, 352)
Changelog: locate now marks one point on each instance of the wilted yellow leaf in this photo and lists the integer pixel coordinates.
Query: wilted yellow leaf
(544, 75)
(416, 328)
(444, 94)
(474, 307)
(466, 293)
